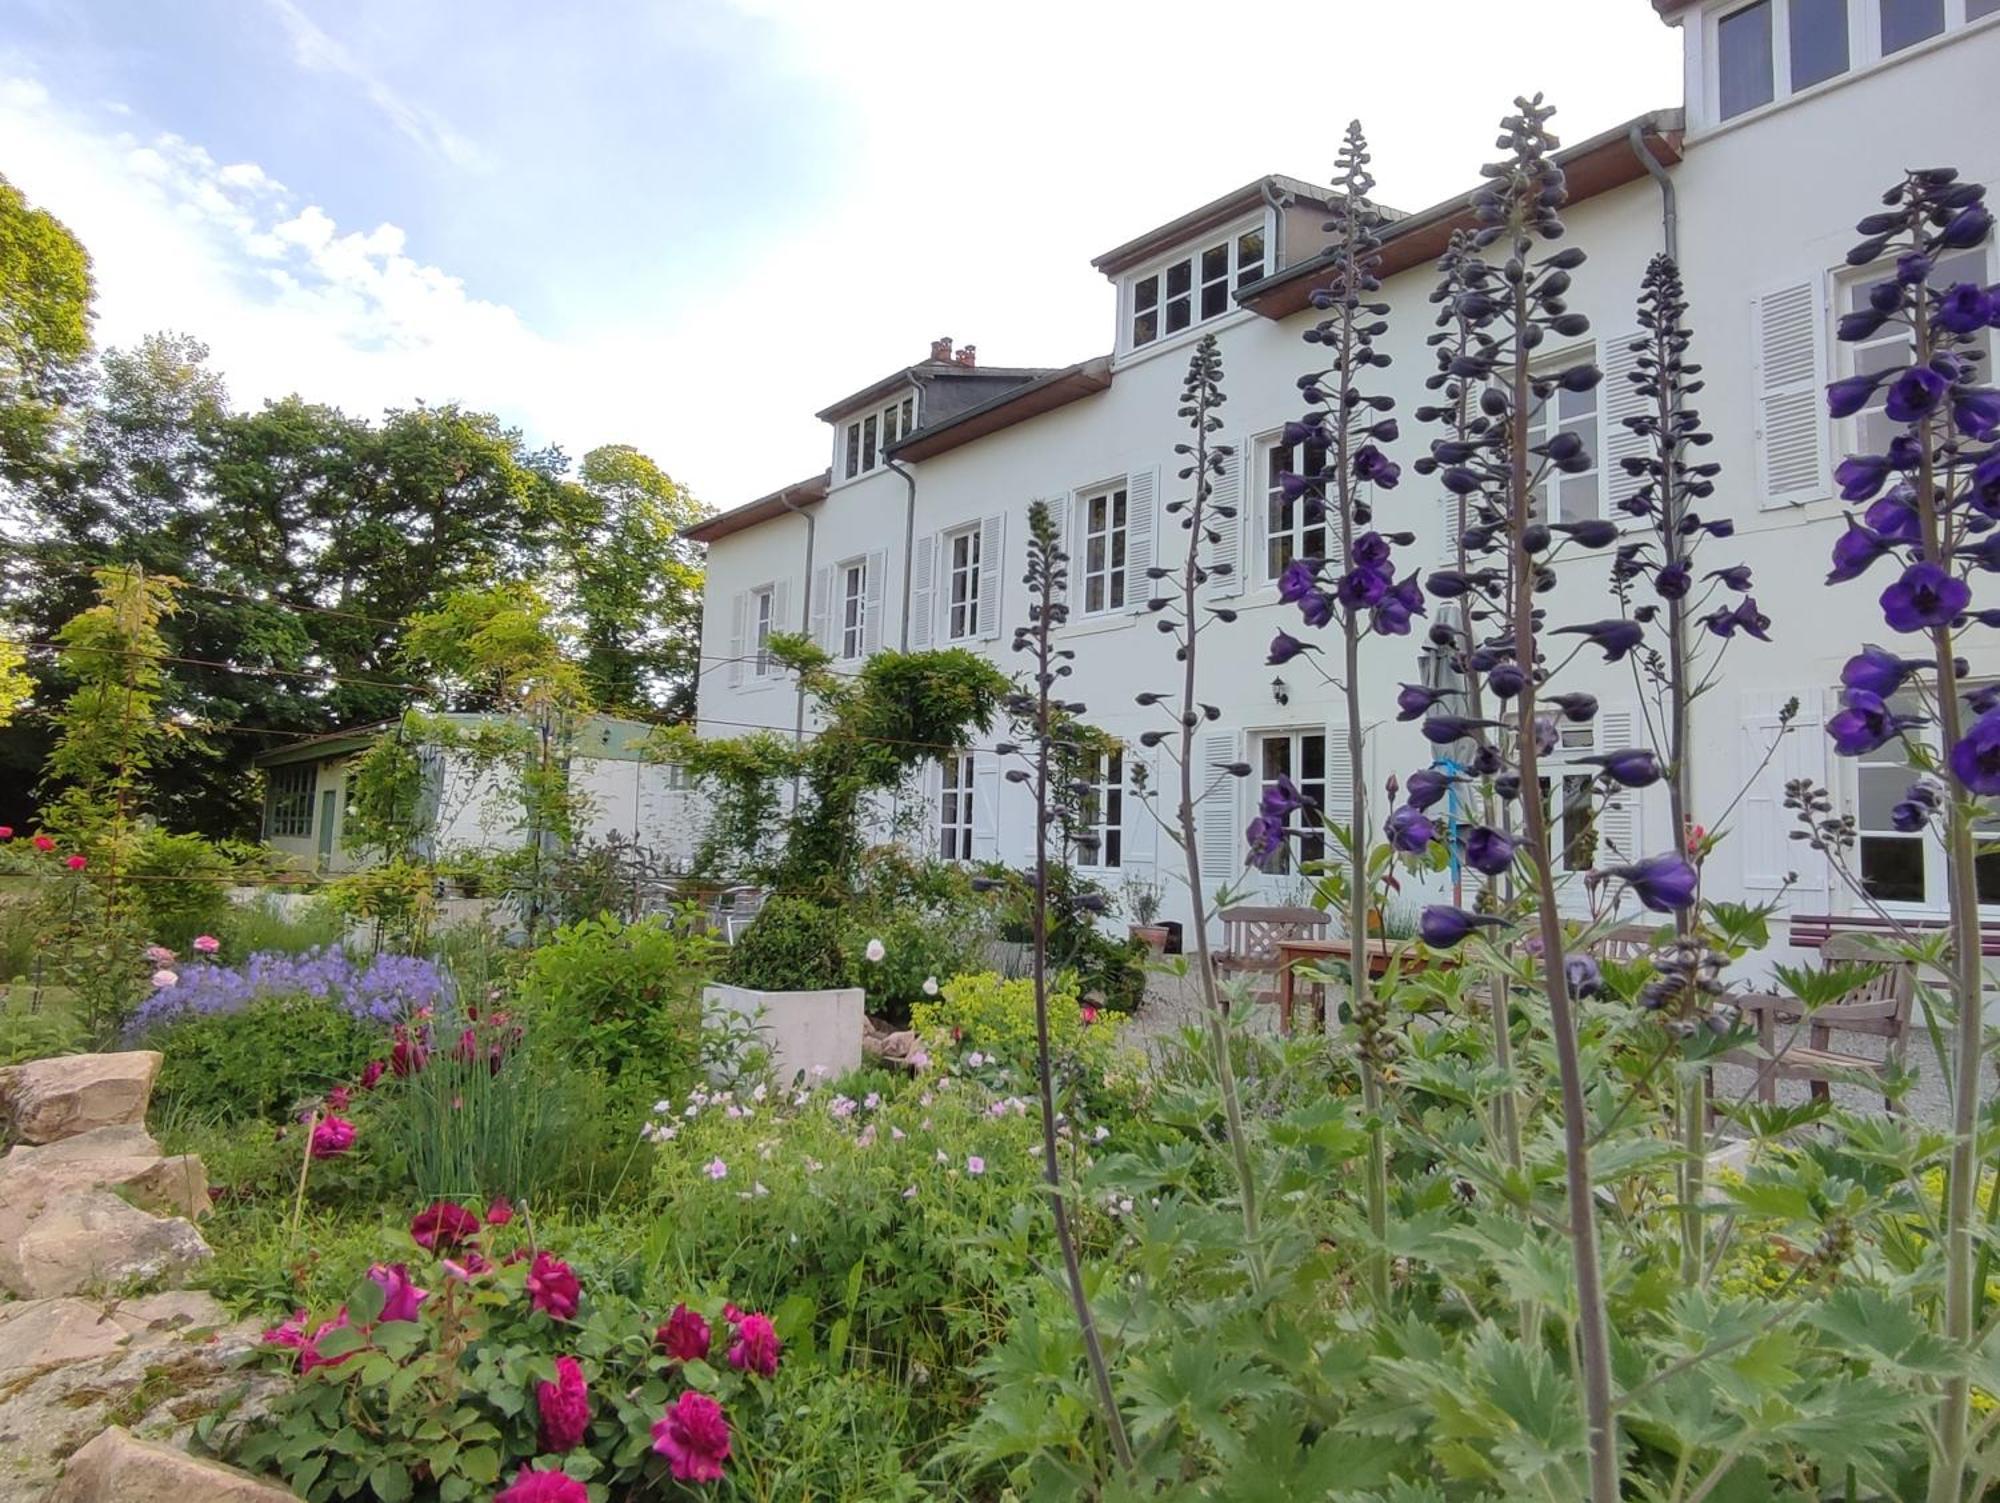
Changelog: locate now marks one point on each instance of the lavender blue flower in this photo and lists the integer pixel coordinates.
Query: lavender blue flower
(386, 990)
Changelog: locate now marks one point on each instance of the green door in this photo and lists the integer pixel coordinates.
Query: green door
(327, 809)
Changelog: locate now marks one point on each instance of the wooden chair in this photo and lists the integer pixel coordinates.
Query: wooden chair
(1626, 943)
(1250, 936)
(734, 909)
(1879, 1007)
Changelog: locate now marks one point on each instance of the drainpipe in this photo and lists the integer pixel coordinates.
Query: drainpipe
(909, 542)
(1277, 202)
(805, 620)
(1670, 214)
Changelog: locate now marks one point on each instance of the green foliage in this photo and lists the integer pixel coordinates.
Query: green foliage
(988, 1014)
(46, 290)
(623, 999)
(262, 1061)
(794, 944)
(267, 924)
(180, 886)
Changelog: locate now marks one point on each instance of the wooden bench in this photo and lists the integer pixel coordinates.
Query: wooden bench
(1250, 938)
(1811, 931)
(1878, 1007)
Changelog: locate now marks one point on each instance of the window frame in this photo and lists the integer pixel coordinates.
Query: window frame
(1116, 535)
(1276, 456)
(961, 616)
(862, 440)
(763, 624)
(291, 790)
(1847, 282)
(1540, 431)
(1311, 838)
(1154, 281)
(1102, 814)
(853, 605)
(958, 777)
(1935, 900)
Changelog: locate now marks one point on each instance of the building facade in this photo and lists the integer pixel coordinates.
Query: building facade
(1796, 115)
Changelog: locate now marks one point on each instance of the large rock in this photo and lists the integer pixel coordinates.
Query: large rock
(48, 1100)
(125, 1159)
(90, 1240)
(117, 1467)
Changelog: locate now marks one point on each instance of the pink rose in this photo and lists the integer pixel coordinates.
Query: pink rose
(564, 1406)
(332, 1137)
(694, 1437)
(443, 1225)
(370, 1074)
(400, 1297)
(530, 1486)
(552, 1287)
(206, 944)
(756, 1346)
(339, 1097)
(77, 863)
(43, 844)
(686, 1335)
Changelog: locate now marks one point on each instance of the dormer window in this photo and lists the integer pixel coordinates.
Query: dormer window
(1194, 288)
(865, 440)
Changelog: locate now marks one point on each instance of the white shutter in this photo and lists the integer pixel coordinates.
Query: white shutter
(739, 608)
(781, 606)
(1763, 826)
(1788, 373)
(1141, 490)
(921, 590)
(986, 784)
(1620, 833)
(1139, 838)
(992, 554)
(1623, 400)
(1448, 529)
(1064, 513)
(1339, 776)
(822, 597)
(1218, 813)
(872, 590)
(1225, 494)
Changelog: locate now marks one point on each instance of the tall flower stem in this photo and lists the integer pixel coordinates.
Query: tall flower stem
(1045, 580)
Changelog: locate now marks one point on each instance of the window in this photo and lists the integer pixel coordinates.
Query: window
(1292, 528)
(866, 440)
(1871, 428)
(1102, 815)
(1746, 66)
(1818, 31)
(1300, 756)
(955, 809)
(1103, 552)
(1566, 412)
(1576, 820)
(289, 800)
(1974, 9)
(1195, 288)
(853, 608)
(1909, 869)
(1907, 22)
(762, 606)
(961, 564)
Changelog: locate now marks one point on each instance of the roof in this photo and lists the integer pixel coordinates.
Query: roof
(926, 373)
(1671, 8)
(1216, 212)
(1595, 166)
(1053, 389)
(750, 513)
(609, 737)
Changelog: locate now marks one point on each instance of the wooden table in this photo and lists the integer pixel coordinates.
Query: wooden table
(1293, 953)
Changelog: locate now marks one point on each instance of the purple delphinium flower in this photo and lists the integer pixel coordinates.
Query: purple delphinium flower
(1743, 616)
(1442, 730)
(1965, 308)
(1372, 465)
(1925, 597)
(1488, 850)
(1916, 394)
(1576, 708)
(1409, 829)
(1977, 413)
(1441, 926)
(1298, 577)
(1846, 397)
(1285, 647)
(1675, 580)
(1616, 638)
(1426, 786)
(1265, 836)
(1855, 552)
(1585, 978)
(1861, 476)
(1664, 883)
(1866, 724)
(1877, 670)
(1975, 761)
(1413, 701)
(1634, 767)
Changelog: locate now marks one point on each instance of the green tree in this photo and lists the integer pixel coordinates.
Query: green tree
(45, 313)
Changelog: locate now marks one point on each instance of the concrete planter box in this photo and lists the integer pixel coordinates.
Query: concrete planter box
(803, 1030)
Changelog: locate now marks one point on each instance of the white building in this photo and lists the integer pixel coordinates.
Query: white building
(1797, 114)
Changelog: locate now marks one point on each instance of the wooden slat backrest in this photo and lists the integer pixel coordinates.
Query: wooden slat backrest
(1883, 1001)
(1251, 933)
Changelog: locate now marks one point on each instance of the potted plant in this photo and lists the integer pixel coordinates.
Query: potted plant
(1142, 901)
(788, 973)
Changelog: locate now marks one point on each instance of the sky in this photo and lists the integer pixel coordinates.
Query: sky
(689, 224)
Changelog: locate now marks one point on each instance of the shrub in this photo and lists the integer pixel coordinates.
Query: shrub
(258, 1059)
(271, 926)
(917, 947)
(180, 887)
(623, 999)
(792, 945)
(987, 1014)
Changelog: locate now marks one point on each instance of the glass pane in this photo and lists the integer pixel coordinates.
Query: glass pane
(1892, 868)
(1215, 263)
(1145, 328)
(1215, 300)
(1745, 69)
(1180, 276)
(1573, 404)
(868, 444)
(1250, 250)
(1146, 293)
(1907, 21)
(1312, 758)
(1819, 41)
(1974, 9)
(1177, 315)
(1577, 497)
(1881, 789)
(1986, 869)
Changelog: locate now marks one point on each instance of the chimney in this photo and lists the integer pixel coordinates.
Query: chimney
(968, 357)
(941, 349)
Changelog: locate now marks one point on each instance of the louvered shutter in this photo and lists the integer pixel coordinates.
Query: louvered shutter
(1218, 811)
(1340, 777)
(1788, 372)
(986, 785)
(1064, 513)
(922, 569)
(992, 554)
(1623, 400)
(1139, 831)
(1763, 825)
(1141, 492)
(781, 606)
(873, 589)
(1620, 835)
(1448, 529)
(1226, 493)
(825, 625)
(739, 608)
